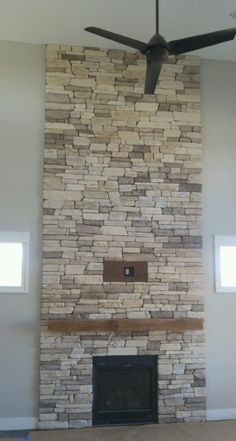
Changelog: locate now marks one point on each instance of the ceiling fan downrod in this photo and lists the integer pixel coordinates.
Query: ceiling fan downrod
(157, 16)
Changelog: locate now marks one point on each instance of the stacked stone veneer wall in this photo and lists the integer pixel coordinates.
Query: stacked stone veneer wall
(122, 180)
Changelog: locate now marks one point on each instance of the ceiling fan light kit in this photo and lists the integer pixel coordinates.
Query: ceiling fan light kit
(158, 49)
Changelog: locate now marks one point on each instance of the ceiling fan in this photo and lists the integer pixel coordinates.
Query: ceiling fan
(157, 49)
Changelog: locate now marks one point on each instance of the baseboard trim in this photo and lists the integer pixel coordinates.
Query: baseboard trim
(18, 423)
(221, 414)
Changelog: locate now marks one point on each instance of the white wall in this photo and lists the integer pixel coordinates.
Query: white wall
(218, 87)
(21, 150)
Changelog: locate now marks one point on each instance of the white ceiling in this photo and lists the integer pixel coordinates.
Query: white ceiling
(63, 21)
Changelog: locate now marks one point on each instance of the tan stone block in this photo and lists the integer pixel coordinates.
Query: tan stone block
(124, 115)
(82, 82)
(63, 310)
(170, 347)
(55, 79)
(138, 314)
(137, 343)
(75, 269)
(88, 280)
(112, 171)
(57, 64)
(175, 85)
(58, 127)
(114, 231)
(53, 424)
(135, 72)
(187, 116)
(51, 279)
(146, 107)
(129, 137)
(171, 68)
(58, 195)
(123, 351)
(199, 392)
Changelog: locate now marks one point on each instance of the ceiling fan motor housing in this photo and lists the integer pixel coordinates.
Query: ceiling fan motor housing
(157, 49)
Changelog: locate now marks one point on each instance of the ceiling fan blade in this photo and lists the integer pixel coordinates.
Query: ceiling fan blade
(190, 44)
(152, 74)
(136, 44)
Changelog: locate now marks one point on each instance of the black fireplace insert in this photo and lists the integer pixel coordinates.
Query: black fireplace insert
(124, 390)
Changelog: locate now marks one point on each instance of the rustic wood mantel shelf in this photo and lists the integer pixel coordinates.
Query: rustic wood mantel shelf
(125, 325)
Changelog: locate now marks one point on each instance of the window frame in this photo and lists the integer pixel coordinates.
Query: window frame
(219, 241)
(24, 239)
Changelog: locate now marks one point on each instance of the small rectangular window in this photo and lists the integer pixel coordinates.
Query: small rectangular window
(225, 263)
(14, 252)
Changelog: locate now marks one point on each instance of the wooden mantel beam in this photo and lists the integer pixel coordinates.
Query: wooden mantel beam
(125, 325)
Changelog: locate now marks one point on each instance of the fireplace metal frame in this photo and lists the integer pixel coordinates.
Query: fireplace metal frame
(131, 416)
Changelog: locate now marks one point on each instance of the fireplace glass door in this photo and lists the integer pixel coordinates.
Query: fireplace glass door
(124, 390)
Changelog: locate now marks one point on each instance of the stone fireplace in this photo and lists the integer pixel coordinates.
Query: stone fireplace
(122, 182)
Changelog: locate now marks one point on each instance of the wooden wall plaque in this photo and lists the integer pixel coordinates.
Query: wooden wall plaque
(121, 271)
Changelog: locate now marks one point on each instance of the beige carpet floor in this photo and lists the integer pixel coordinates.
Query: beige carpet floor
(212, 431)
